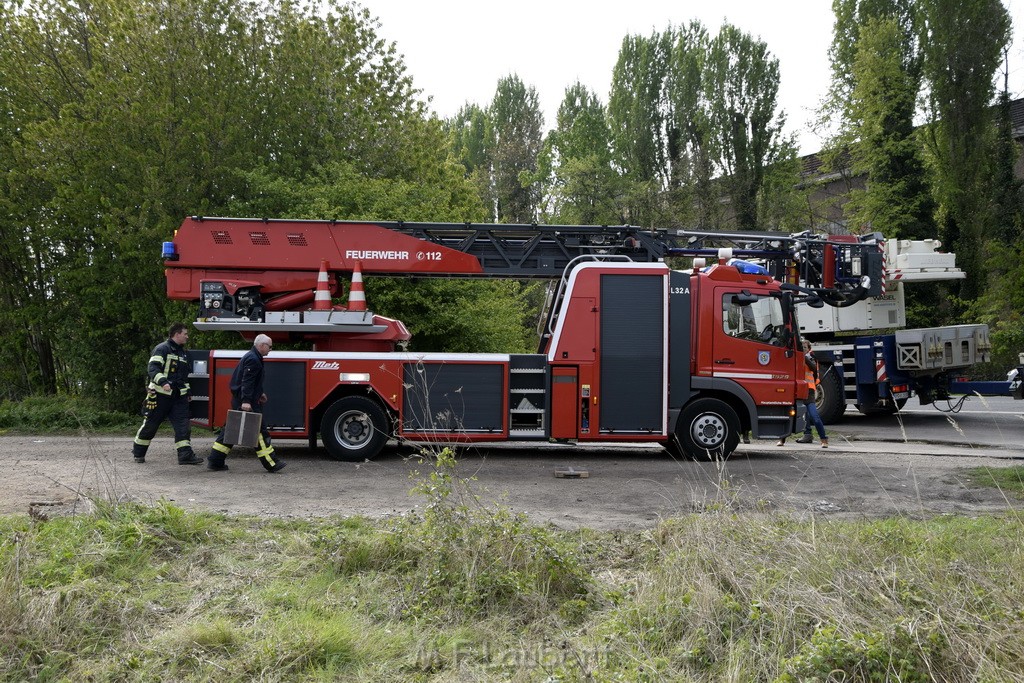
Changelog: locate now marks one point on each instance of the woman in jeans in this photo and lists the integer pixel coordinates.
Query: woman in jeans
(812, 407)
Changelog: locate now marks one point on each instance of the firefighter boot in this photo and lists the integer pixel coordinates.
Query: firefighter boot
(187, 457)
(271, 463)
(140, 447)
(806, 438)
(265, 452)
(215, 461)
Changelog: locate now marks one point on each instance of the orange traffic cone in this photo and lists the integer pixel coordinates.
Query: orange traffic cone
(322, 300)
(356, 296)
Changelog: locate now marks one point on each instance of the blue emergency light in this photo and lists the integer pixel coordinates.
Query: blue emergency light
(747, 267)
(169, 252)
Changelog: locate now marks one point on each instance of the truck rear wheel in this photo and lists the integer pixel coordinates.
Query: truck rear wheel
(831, 397)
(354, 429)
(708, 429)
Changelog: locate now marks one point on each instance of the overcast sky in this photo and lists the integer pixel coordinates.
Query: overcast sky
(457, 50)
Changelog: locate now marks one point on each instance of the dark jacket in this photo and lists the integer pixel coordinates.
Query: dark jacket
(169, 363)
(247, 379)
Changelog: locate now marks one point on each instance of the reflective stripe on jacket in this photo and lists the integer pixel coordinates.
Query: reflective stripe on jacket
(169, 364)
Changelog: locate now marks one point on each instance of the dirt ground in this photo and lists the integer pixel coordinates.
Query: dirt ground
(625, 487)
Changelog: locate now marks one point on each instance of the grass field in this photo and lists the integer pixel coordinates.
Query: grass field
(467, 592)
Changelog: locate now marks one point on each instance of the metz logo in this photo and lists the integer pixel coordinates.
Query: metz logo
(326, 365)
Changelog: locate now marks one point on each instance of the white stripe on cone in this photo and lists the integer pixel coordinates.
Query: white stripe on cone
(356, 296)
(322, 299)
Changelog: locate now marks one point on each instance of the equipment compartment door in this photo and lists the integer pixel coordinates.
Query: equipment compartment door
(455, 398)
(633, 349)
(285, 385)
(565, 401)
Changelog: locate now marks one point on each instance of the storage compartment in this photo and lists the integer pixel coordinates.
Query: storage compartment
(453, 398)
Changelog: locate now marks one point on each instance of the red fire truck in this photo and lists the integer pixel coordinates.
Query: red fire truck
(633, 351)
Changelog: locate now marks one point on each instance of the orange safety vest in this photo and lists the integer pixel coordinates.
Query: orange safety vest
(812, 384)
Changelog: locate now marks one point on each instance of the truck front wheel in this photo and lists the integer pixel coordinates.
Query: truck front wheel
(708, 429)
(354, 429)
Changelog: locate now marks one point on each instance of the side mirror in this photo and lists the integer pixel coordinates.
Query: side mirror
(744, 298)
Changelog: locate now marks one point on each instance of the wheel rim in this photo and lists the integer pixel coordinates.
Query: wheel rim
(708, 430)
(353, 429)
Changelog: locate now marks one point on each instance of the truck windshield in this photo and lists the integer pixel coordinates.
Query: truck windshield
(762, 321)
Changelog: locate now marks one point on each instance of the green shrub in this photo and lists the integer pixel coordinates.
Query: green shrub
(61, 414)
(831, 655)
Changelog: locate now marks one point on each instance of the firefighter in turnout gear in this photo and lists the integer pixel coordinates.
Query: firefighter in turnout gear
(247, 394)
(167, 397)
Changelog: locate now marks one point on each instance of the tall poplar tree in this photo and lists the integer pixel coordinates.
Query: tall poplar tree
(516, 121)
(637, 114)
(696, 153)
(741, 83)
(584, 186)
(963, 49)
(896, 200)
(471, 143)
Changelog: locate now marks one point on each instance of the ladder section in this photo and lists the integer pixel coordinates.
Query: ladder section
(527, 396)
(538, 251)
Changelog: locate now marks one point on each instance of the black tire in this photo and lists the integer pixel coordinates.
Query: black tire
(831, 398)
(708, 429)
(354, 429)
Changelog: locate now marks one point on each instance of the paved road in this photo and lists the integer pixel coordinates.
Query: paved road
(982, 422)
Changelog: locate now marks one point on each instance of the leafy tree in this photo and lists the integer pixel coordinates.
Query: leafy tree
(837, 112)
(516, 121)
(637, 116)
(695, 119)
(741, 82)
(1001, 305)
(897, 199)
(850, 17)
(695, 150)
(1008, 211)
(123, 116)
(963, 48)
(584, 184)
(470, 141)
